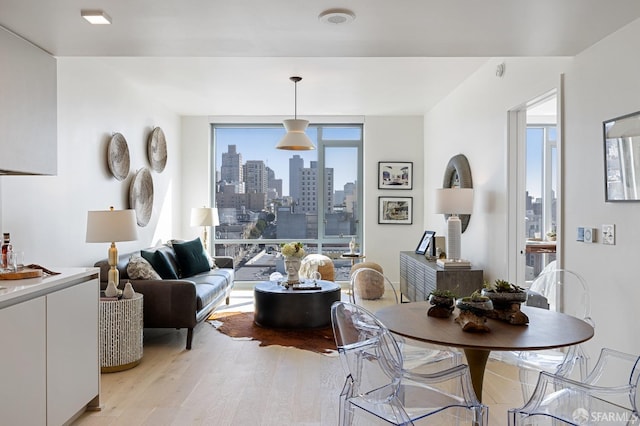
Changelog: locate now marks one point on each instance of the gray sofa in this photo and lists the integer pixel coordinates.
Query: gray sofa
(180, 302)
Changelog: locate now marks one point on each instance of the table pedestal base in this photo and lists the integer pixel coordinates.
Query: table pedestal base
(477, 361)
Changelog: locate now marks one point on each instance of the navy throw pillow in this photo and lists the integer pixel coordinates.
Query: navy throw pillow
(191, 257)
(160, 263)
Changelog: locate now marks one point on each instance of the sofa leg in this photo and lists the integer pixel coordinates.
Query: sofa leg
(227, 300)
(189, 337)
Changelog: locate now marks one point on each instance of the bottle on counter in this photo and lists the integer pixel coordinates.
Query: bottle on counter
(6, 248)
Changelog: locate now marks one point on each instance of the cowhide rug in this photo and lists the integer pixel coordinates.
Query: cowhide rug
(241, 325)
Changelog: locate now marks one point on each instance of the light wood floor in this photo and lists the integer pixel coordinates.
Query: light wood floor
(223, 381)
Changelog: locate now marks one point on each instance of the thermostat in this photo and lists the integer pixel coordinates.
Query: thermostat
(589, 235)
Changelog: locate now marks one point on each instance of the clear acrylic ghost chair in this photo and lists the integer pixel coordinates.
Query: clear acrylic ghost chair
(607, 396)
(417, 355)
(378, 384)
(567, 292)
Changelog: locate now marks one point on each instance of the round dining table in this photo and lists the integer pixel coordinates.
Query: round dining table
(546, 330)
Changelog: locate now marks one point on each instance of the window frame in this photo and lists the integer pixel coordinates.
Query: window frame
(322, 145)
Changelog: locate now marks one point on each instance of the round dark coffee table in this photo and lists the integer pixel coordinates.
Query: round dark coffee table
(279, 307)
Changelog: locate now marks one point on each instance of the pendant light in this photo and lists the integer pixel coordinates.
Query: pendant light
(295, 139)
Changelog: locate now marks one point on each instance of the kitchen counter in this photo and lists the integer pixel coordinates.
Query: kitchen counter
(17, 291)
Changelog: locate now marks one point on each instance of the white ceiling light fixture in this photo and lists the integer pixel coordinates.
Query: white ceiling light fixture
(337, 16)
(295, 139)
(96, 17)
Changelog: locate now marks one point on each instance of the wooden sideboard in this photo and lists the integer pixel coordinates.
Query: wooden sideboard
(420, 276)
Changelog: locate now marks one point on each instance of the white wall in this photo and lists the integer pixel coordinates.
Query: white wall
(392, 139)
(46, 215)
(600, 83)
(196, 157)
(472, 121)
(603, 83)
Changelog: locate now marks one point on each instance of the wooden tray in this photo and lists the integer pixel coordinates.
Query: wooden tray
(21, 274)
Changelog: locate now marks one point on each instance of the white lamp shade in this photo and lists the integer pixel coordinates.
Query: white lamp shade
(454, 201)
(295, 139)
(105, 226)
(204, 216)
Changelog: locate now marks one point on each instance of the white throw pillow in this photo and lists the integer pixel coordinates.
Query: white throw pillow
(140, 269)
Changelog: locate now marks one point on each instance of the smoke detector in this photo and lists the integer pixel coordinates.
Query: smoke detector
(337, 16)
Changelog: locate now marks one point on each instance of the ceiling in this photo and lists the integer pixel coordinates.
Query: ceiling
(216, 57)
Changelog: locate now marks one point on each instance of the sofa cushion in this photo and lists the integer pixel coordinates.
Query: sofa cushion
(161, 263)
(139, 269)
(210, 286)
(191, 257)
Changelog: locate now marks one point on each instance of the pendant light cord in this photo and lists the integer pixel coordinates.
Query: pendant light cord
(295, 95)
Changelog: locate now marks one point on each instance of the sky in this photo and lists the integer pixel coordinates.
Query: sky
(258, 143)
(535, 154)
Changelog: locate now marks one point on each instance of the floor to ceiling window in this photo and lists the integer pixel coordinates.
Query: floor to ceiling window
(541, 193)
(267, 196)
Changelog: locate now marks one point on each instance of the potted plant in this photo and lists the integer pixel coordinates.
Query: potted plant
(473, 312)
(506, 298)
(503, 292)
(441, 297)
(442, 301)
(476, 303)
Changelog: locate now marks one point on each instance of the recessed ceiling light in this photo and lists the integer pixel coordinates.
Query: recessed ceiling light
(337, 16)
(96, 17)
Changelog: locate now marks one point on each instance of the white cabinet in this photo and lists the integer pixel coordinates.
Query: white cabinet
(72, 350)
(23, 364)
(49, 361)
(28, 108)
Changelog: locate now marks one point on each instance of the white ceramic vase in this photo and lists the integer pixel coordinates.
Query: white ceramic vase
(128, 292)
(111, 290)
(352, 246)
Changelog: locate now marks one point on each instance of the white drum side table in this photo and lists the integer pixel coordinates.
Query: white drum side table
(121, 325)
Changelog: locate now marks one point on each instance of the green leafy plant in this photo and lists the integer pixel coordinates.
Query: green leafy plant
(476, 296)
(294, 249)
(444, 293)
(502, 286)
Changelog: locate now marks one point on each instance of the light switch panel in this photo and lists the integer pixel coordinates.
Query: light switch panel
(609, 234)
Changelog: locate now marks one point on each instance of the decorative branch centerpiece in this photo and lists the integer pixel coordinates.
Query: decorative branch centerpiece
(506, 298)
(293, 253)
(473, 312)
(442, 303)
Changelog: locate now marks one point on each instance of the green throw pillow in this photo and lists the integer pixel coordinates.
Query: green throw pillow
(160, 263)
(191, 257)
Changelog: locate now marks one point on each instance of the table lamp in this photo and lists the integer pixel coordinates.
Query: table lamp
(205, 217)
(104, 226)
(454, 201)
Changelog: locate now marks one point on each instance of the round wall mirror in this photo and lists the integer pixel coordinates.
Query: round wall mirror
(457, 174)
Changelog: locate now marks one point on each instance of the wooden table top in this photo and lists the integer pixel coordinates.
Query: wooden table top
(546, 329)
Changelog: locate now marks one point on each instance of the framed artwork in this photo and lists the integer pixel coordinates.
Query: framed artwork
(426, 244)
(395, 210)
(395, 175)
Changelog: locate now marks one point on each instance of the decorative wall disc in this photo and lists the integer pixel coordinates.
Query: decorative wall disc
(118, 156)
(457, 174)
(141, 196)
(157, 150)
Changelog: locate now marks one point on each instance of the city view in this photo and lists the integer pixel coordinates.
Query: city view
(266, 197)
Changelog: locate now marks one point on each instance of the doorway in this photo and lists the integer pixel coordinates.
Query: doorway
(534, 187)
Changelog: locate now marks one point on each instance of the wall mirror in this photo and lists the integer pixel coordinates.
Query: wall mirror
(622, 158)
(457, 174)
